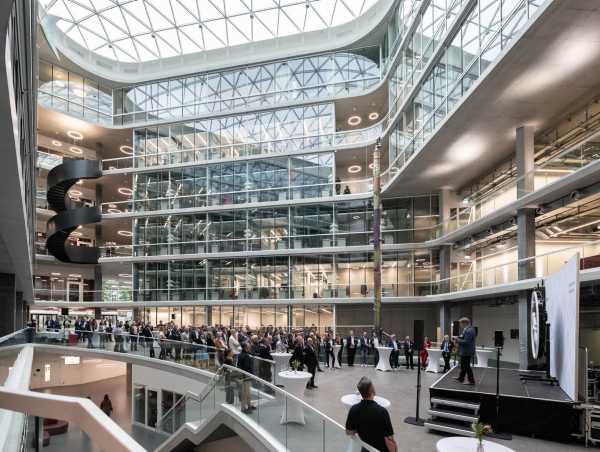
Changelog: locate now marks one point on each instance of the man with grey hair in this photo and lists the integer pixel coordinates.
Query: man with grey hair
(466, 350)
(370, 420)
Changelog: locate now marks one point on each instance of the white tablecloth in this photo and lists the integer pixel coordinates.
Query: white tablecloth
(282, 362)
(483, 356)
(353, 399)
(384, 359)
(434, 360)
(294, 383)
(336, 349)
(463, 444)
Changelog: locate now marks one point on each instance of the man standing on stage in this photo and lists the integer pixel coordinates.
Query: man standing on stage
(466, 350)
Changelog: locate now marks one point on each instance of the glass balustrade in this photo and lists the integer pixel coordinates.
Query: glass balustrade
(273, 409)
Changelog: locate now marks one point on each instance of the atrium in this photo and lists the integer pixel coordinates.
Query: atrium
(300, 225)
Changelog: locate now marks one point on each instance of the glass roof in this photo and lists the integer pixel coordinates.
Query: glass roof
(144, 30)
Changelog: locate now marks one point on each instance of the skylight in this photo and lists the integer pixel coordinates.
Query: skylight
(143, 30)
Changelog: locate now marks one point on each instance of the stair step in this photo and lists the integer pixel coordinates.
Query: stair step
(449, 427)
(455, 403)
(448, 414)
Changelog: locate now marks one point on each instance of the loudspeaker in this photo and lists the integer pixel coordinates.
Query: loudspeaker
(418, 333)
(514, 334)
(64, 311)
(498, 338)
(172, 316)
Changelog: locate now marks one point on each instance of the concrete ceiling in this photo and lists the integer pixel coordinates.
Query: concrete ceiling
(549, 72)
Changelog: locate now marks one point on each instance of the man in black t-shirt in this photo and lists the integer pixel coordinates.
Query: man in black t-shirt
(371, 421)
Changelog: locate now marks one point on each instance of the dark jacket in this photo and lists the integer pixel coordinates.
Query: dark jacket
(310, 357)
(297, 355)
(450, 346)
(466, 342)
(244, 362)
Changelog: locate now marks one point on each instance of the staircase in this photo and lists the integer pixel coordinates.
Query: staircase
(452, 416)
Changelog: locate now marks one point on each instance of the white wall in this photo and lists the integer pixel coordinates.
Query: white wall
(488, 319)
(158, 380)
(87, 371)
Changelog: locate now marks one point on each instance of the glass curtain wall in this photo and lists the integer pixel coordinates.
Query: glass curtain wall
(350, 276)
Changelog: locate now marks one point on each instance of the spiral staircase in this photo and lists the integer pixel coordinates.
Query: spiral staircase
(69, 216)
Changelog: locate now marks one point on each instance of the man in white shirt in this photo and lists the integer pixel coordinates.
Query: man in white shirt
(233, 343)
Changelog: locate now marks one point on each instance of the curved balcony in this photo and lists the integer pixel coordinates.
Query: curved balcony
(68, 218)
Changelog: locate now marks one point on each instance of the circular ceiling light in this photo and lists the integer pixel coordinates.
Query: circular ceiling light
(127, 150)
(75, 193)
(356, 217)
(74, 134)
(76, 150)
(125, 191)
(79, 182)
(113, 211)
(125, 233)
(371, 165)
(373, 116)
(112, 206)
(56, 143)
(354, 169)
(55, 274)
(354, 120)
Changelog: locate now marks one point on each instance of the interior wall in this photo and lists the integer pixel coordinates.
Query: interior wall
(489, 319)
(51, 371)
(158, 380)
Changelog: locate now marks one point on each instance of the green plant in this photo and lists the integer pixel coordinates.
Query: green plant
(481, 430)
(296, 365)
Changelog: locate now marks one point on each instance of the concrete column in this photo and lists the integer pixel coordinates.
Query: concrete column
(445, 319)
(19, 308)
(445, 268)
(8, 298)
(525, 159)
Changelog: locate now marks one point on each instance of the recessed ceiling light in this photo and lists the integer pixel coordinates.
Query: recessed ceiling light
(354, 169)
(56, 143)
(112, 206)
(76, 234)
(354, 120)
(74, 275)
(74, 134)
(125, 233)
(127, 150)
(80, 182)
(371, 165)
(113, 211)
(125, 191)
(76, 150)
(373, 115)
(55, 274)
(124, 275)
(356, 217)
(75, 193)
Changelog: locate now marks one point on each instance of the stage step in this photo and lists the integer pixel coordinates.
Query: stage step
(455, 415)
(455, 403)
(456, 428)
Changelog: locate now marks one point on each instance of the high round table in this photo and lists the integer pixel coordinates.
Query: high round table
(336, 349)
(295, 383)
(282, 362)
(353, 399)
(434, 360)
(463, 444)
(384, 359)
(483, 356)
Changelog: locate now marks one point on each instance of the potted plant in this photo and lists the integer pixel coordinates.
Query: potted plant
(480, 431)
(296, 365)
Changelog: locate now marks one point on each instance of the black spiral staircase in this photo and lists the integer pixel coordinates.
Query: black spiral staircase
(68, 215)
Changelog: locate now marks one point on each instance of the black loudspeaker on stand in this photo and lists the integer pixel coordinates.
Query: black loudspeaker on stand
(416, 420)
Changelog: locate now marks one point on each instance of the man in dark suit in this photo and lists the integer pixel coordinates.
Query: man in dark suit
(466, 350)
(446, 347)
(264, 352)
(409, 351)
(351, 343)
(395, 354)
(311, 361)
(298, 353)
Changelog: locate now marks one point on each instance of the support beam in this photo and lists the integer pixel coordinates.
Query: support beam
(8, 303)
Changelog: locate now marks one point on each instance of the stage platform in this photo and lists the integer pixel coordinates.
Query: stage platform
(526, 408)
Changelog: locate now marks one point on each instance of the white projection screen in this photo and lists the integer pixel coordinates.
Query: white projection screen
(562, 300)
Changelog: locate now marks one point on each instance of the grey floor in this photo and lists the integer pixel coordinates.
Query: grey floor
(399, 387)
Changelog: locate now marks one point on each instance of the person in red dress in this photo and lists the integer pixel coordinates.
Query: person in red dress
(424, 354)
